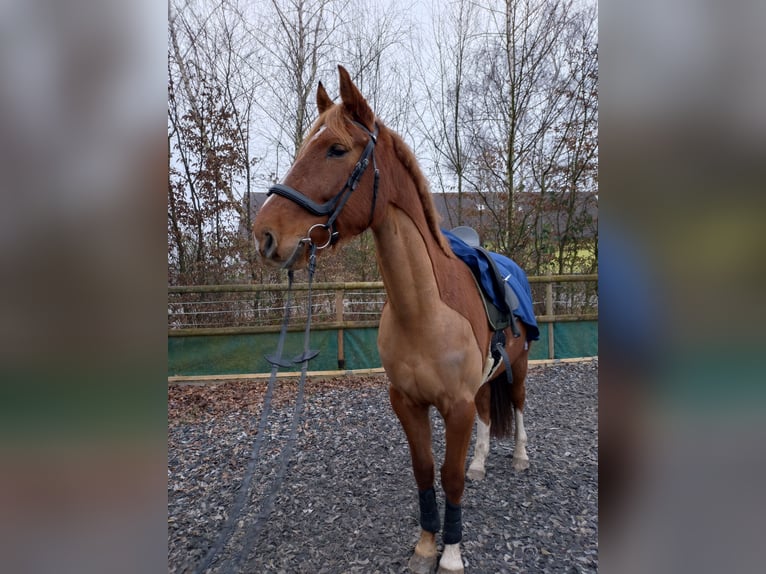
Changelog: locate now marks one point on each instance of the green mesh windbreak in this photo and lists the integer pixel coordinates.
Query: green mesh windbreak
(576, 339)
(244, 353)
(361, 348)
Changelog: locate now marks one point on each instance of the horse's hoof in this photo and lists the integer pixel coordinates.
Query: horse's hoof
(422, 564)
(476, 474)
(520, 464)
(451, 562)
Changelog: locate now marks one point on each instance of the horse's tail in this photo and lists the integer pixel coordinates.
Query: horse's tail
(500, 407)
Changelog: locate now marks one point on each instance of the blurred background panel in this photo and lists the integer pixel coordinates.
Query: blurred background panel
(682, 391)
(82, 297)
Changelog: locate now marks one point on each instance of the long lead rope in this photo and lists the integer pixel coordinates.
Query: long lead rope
(287, 453)
(245, 488)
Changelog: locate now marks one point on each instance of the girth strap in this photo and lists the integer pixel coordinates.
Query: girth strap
(499, 353)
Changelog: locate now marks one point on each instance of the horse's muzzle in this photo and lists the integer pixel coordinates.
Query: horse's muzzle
(268, 247)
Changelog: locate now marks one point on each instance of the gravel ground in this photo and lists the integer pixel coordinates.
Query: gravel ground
(349, 501)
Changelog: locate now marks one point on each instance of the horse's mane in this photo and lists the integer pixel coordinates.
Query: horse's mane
(405, 155)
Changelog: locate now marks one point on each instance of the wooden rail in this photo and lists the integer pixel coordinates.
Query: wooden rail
(345, 286)
(340, 324)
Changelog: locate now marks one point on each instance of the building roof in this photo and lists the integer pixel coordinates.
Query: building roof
(477, 209)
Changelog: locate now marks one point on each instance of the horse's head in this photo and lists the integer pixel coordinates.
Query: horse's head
(330, 192)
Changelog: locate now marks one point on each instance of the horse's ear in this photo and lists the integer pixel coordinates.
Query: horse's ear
(354, 101)
(324, 102)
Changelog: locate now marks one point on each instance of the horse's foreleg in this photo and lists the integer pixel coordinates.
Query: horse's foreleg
(477, 470)
(417, 427)
(458, 425)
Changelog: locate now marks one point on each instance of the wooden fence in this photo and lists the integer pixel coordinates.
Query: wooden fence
(209, 310)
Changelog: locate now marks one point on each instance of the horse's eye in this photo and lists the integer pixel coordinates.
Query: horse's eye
(336, 150)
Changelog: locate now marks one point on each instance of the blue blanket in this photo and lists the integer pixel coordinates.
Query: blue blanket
(513, 275)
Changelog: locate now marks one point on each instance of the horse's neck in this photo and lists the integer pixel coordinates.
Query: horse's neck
(405, 258)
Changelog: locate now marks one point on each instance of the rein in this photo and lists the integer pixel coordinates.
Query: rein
(244, 491)
(334, 206)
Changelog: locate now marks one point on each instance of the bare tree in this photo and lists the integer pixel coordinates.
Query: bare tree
(259, 64)
(564, 165)
(495, 88)
(373, 44)
(240, 57)
(445, 76)
(208, 143)
(504, 93)
(516, 61)
(297, 38)
(195, 60)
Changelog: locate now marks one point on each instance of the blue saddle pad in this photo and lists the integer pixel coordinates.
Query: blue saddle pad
(512, 273)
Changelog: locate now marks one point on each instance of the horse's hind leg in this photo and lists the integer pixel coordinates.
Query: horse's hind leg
(518, 395)
(458, 425)
(417, 427)
(477, 470)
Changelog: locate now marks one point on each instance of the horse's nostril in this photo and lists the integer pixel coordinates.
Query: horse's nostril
(269, 244)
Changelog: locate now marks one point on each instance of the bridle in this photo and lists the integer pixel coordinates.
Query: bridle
(334, 206)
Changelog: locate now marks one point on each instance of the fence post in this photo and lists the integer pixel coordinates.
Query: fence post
(549, 312)
(339, 318)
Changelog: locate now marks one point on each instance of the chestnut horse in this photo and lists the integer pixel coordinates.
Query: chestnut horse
(353, 173)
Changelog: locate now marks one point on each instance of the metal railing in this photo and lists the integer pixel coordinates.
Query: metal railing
(252, 309)
(231, 309)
